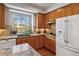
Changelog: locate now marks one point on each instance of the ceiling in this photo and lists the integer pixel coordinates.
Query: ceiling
(36, 7)
(42, 6)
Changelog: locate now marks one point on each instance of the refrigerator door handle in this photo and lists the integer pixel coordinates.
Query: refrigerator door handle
(65, 33)
(66, 30)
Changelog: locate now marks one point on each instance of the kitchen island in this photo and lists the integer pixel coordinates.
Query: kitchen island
(19, 50)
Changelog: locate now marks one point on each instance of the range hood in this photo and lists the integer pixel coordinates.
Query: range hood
(51, 22)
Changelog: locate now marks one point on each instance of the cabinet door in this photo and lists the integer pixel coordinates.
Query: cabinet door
(2, 14)
(50, 44)
(40, 20)
(25, 39)
(19, 41)
(31, 41)
(73, 31)
(74, 8)
(58, 13)
(66, 11)
(37, 42)
(41, 43)
(47, 20)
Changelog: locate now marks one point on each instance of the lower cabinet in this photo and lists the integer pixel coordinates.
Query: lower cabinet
(21, 40)
(50, 44)
(30, 41)
(42, 38)
(38, 42)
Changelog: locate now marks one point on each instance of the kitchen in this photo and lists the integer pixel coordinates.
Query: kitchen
(20, 30)
(39, 29)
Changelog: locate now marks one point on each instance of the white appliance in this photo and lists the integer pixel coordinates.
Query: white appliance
(67, 36)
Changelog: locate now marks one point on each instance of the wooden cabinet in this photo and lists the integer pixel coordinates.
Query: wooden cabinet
(47, 20)
(66, 11)
(40, 20)
(74, 8)
(50, 44)
(31, 42)
(2, 15)
(42, 38)
(49, 17)
(36, 42)
(19, 41)
(39, 42)
(58, 13)
(22, 40)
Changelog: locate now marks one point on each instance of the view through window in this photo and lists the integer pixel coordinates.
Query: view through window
(21, 23)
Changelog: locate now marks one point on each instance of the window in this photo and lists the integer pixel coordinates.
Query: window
(21, 22)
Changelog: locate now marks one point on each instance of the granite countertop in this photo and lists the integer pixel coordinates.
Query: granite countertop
(29, 35)
(52, 37)
(36, 34)
(19, 50)
(15, 36)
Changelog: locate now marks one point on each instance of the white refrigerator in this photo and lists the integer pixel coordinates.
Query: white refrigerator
(67, 36)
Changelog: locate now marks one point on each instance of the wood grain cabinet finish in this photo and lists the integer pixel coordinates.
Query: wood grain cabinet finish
(74, 8)
(19, 41)
(42, 38)
(38, 41)
(22, 40)
(40, 20)
(30, 41)
(2, 15)
(49, 17)
(46, 20)
(67, 10)
(50, 44)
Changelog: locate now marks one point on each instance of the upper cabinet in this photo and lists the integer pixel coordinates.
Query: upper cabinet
(65, 11)
(46, 20)
(74, 8)
(68, 10)
(62, 12)
(40, 20)
(58, 13)
(2, 15)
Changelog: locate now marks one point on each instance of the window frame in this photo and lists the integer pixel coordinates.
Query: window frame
(26, 13)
